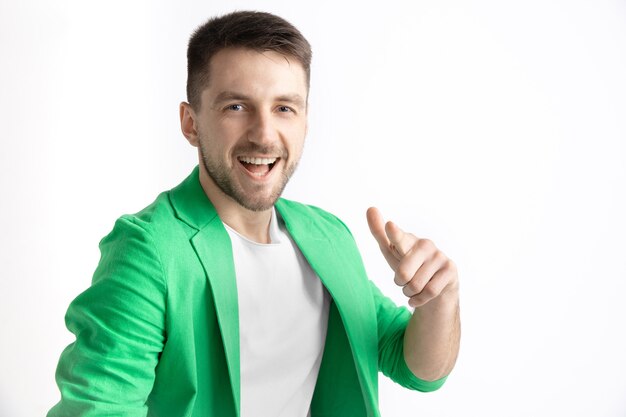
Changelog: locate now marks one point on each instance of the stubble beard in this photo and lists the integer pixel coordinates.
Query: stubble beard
(222, 176)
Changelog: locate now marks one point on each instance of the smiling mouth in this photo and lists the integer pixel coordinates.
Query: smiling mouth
(258, 167)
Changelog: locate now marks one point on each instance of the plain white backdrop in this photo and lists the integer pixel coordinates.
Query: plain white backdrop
(495, 128)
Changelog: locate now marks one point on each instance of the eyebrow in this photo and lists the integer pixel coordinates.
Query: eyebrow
(295, 98)
(229, 95)
(292, 98)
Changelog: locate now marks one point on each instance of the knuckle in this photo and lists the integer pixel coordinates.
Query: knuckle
(441, 257)
(415, 286)
(400, 280)
(403, 276)
(407, 291)
(449, 265)
(429, 292)
(425, 244)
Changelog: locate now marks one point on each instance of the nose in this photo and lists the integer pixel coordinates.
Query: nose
(262, 129)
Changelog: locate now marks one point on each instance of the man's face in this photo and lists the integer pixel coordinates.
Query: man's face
(251, 124)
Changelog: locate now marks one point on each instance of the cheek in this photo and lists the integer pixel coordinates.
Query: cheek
(296, 134)
(223, 135)
(295, 151)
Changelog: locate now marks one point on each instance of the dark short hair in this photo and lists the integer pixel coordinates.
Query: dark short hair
(258, 31)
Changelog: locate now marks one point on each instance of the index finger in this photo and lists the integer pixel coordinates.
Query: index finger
(400, 242)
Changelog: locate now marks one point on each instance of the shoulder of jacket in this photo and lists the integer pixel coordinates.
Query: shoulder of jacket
(155, 219)
(320, 216)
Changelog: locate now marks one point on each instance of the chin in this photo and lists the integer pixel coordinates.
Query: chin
(258, 204)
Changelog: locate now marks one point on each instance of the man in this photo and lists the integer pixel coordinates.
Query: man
(222, 299)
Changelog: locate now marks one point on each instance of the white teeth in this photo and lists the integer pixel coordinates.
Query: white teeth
(257, 161)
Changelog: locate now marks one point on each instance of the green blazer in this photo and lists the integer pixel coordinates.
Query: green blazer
(157, 333)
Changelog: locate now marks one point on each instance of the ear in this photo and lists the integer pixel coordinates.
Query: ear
(188, 123)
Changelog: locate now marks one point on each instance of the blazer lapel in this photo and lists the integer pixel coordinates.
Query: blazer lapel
(213, 247)
(338, 265)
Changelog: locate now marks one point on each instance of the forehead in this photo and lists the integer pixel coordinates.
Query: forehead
(255, 73)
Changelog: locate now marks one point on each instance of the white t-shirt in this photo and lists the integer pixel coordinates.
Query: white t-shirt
(283, 317)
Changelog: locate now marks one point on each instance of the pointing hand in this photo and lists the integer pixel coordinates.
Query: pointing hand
(422, 270)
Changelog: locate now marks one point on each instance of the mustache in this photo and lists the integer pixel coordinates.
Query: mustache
(253, 148)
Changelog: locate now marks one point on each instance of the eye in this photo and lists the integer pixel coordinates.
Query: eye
(234, 107)
(285, 109)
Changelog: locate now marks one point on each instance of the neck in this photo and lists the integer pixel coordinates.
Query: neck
(254, 225)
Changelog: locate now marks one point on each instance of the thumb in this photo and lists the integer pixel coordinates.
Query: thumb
(377, 227)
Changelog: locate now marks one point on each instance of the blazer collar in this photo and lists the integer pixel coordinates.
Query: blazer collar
(194, 208)
(191, 203)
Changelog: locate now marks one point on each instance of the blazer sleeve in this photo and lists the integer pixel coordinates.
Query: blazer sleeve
(119, 327)
(392, 322)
